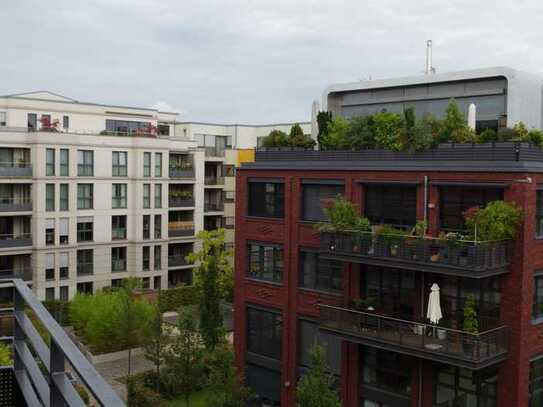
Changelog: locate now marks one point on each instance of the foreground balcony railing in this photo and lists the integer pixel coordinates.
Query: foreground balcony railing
(40, 368)
(15, 240)
(418, 339)
(458, 257)
(180, 228)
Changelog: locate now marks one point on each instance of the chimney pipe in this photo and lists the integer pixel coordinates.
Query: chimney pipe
(429, 69)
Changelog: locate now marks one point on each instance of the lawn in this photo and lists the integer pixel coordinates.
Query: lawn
(197, 400)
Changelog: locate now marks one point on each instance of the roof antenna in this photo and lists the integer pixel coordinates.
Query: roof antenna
(429, 68)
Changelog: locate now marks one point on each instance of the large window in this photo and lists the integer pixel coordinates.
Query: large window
(85, 163)
(391, 204)
(64, 199)
(266, 199)
(50, 161)
(536, 382)
(264, 332)
(157, 257)
(385, 370)
(118, 227)
(309, 335)
(265, 262)
(146, 196)
(49, 231)
(119, 164)
(265, 384)
(49, 197)
(85, 262)
(85, 196)
(64, 162)
(315, 197)
(455, 386)
(146, 258)
(158, 164)
(118, 198)
(158, 195)
(319, 274)
(32, 121)
(125, 126)
(146, 164)
(85, 229)
(158, 226)
(146, 227)
(537, 306)
(118, 259)
(454, 201)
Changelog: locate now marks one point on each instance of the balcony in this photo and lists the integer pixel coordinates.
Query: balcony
(213, 207)
(118, 266)
(15, 169)
(214, 151)
(180, 228)
(85, 269)
(21, 273)
(39, 374)
(10, 204)
(451, 346)
(461, 258)
(15, 240)
(178, 260)
(213, 180)
(178, 202)
(180, 172)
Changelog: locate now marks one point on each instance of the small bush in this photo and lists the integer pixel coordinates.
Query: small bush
(139, 395)
(173, 299)
(498, 220)
(60, 311)
(5, 355)
(343, 216)
(83, 393)
(487, 136)
(276, 138)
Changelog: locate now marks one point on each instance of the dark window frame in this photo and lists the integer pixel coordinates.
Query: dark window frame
(84, 233)
(328, 191)
(325, 272)
(537, 298)
(118, 169)
(264, 329)
(85, 163)
(86, 200)
(535, 383)
(266, 203)
(261, 271)
(380, 208)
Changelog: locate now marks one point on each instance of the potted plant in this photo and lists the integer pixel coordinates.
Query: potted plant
(415, 244)
(390, 239)
(470, 324)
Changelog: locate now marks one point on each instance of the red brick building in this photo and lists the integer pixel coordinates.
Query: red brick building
(295, 286)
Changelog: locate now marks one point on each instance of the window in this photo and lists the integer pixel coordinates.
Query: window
(536, 382)
(64, 266)
(537, 306)
(32, 120)
(158, 226)
(264, 332)
(229, 222)
(85, 163)
(64, 293)
(158, 164)
(2, 119)
(49, 197)
(146, 258)
(229, 196)
(266, 199)
(320, 274)
(66, 122)
(85, 229)
(118, 196)
(49, 231)
(146, 227)
(157, 257)
(85, 288)
(50, 161)
(157, 282)
(163, 129)
(386, 370)
(119, 164)
(85, 262)
(125, 126)
(85, 196)
(64, 227)
(310, 335)
(539, 212)
(145, 283)
(146, 164)
(265, 262)
(391, 204)
(116, 283)
(64, 162)
(315, 197)
(454, 201)
(118, 259)
(265, 382)
(158, 195)
(455, 386)
(49, 266)
(64, 203)
(118, 227)
(50, 294)
(146, 196)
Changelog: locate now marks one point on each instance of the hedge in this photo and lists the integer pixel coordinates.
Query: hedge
(174, 298)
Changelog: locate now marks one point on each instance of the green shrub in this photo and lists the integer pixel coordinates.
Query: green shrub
(521, 132)
(471, 323)
(297, 138)
(387, 129)
(343, 216)
(535, 137)
(506, 134)
(498, 220)
(5, 355)
(487, 136)
(174, 298)
(139, 395)
(276, 138)
(83, 393)
(453, 124)
(337, 139)
(359, 134)
(60, 310)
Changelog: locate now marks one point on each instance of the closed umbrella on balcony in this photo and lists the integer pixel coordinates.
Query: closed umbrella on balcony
(434, 305)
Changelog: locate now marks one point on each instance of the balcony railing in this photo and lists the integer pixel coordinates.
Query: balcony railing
(214, 152)
(39, 369)
(213, 180)
(15, 240)
(458, 257)
(180, 228)
(9, 204)
(178, 260)
(419, 339)
(213, 207)
(181, 172)
(178, 202)
(118, 265)
(15, 169)
(85, 269)
(118, 233)
(23, 274)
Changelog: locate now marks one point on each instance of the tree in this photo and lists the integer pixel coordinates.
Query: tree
(297, 138)
(387, 129)
(336, 139)
(211, 279)
(156, 343)
(453, 124)
(315, 386)
(184, 368)
(360, 133)
(323, 120)
(224, 384)
(276, 138)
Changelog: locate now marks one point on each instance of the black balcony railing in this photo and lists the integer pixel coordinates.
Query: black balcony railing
(458, 257)
(11, 204)
(180, 228)
(180, 172)
(213, 207)
(15, 240)
(15, 169)
(214, 151)
(452, 346)
(213, 180)
(178, 202)
(178, 260)
(40, 368)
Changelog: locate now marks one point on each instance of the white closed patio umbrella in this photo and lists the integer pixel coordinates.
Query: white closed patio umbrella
(434, 305)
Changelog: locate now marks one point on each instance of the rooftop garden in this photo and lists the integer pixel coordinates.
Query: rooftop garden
(296, 138)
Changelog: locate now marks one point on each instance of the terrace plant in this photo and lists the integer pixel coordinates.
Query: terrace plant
(471, 323)
(391, 237)
(343, 217)
(498, 220)
(276, 138)
(181, 194)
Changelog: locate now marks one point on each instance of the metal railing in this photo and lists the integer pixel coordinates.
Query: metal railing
(85, 269)
(15, 239)
(118, 265)
(213, 180)
(466, 257)
(40, 368)
(426, 339)
(24, 274)
(15, 169)
(178, 202)
(214, 152)
(178, 260)
(81, 132)
(13, 204)
(180, 228)
(118, 233)
(176, 172)
(213, 206)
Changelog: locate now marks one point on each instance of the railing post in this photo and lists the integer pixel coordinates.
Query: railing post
(18, 334)
(57, 367)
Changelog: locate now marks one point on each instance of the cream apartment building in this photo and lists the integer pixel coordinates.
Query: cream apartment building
(91, 194)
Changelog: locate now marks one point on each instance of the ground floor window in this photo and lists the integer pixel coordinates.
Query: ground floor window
(459, 387)
(384, 370)
(536, 382)
(265, 384)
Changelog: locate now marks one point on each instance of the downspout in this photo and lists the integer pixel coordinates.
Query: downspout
(425, 212)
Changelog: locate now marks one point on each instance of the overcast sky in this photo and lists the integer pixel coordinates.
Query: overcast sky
(250, 61)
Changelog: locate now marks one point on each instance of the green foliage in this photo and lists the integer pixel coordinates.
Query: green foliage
(343, 216)
(419, 229)
(174, 298)
(276, 138)
(487, 136)
(297, 138)
(454, 124)
(156, 342)
(359, 134)
(535, 137)
(420, 136)
(521, 132)
(83, 393)
(315, 387)
(506, 134)
(336, 139)
(390, 234)
(323, 120)
(471, 323)
(59, 310)
(225, 388)
(386, 130)
(498, 220)
(139, 395)
(5, 355)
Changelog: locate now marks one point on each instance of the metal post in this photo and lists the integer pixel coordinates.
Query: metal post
(18, 334)
(56, 368)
